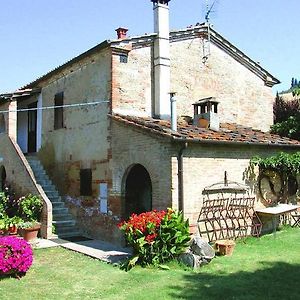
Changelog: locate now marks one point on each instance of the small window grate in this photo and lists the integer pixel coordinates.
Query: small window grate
(123, 59)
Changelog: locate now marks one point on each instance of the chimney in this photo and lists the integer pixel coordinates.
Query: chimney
(121, 33)
(161, 59)
(173, 111)
(206, 114)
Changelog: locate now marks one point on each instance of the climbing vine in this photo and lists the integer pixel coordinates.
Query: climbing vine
(282, 169)
(284, 163)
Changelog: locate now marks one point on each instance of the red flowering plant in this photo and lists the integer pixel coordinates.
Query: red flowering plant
(15, 256)
(155, 236)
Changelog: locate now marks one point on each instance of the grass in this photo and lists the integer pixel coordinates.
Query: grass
(265, 268)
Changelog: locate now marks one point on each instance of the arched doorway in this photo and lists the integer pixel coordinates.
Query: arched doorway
(138, 191)
(2, 178)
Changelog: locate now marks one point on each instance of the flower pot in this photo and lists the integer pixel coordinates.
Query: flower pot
(13, 230)
(30, 233)
(225, 247)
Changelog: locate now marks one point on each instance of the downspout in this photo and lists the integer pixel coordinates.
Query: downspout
(180, 178)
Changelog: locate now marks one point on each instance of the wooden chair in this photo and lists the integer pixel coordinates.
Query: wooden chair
(296, 217)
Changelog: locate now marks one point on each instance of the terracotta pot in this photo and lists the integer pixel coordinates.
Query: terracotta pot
(225, 247)
(13, 230)
(30, 233)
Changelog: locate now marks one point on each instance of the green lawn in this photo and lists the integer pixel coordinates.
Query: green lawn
(265, 268)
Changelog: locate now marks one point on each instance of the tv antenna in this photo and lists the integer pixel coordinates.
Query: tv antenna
(209, 10)
(206, 43)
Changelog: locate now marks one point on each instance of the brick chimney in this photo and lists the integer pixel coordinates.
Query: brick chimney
(206, 114)
(121, 33)
(161, 59)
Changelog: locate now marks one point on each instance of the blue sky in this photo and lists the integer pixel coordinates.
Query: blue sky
(39, 35)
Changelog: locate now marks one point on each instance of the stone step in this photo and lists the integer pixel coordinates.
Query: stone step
(62, 217)
(44, 182)
(70, 233)
(62, 220)
(59, 204)
(32, 157)
(61, 224)
(41, 174)
(66, 230)
(36, 165)
(49, 188)
(52, 194)
(59, 210)
(56, 199)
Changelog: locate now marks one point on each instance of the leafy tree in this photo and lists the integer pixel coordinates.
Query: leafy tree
(286, 117)
(296, 90)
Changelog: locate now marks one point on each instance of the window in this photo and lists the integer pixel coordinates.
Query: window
(2, 123)
(123, 58)
(59, 111)
(86, 182)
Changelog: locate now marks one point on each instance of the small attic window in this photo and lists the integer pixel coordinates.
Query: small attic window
(123, 58)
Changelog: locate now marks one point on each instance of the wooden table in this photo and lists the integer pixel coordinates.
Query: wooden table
(274, 211)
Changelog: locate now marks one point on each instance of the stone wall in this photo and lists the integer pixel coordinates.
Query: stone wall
(19, 175)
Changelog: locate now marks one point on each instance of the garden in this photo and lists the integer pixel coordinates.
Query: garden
(20, 215)
(263, 268)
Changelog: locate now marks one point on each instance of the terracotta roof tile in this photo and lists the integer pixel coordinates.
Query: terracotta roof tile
(229, 132)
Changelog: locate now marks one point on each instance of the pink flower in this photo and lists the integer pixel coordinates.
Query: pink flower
(15, 255)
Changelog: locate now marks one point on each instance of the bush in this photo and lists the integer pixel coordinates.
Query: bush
(15, 256)
(156, 237)
(30, 208)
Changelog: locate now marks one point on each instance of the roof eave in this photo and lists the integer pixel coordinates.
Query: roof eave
(232, 143)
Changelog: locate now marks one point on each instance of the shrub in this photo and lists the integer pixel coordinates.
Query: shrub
(156, 237)
(30, 208)
(15, 256)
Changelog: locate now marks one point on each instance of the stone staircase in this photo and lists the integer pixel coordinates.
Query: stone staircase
(62, 220)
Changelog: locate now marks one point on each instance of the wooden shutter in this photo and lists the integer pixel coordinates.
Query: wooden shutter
(59, 112)
(86, 182)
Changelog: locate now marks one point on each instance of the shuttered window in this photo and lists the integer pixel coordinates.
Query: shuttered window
(86, 182)
(59, 111)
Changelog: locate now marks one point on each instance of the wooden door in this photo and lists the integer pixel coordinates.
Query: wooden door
(32, 128)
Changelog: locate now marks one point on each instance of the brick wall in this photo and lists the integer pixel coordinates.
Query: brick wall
(83, 141)
(203, 166)
(130, 147)
(244, 97)
(132, 82)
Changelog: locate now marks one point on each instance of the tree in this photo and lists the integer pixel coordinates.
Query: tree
(296, 90)
(286, 117)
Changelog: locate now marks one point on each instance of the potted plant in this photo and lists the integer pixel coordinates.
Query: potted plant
(225, 247)
(12, 224)
(2, 226)
(29, 230)
(30, 210)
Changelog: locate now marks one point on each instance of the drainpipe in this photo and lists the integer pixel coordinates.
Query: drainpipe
(173, 111)
(180, 178)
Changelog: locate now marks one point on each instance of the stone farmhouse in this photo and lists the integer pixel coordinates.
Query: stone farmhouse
(98, 138)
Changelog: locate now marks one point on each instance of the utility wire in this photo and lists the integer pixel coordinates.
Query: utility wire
(54, 107)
